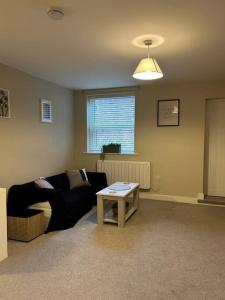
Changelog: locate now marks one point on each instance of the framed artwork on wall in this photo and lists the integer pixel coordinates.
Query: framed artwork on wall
(4, 103)
(168, 112)
(46, 111)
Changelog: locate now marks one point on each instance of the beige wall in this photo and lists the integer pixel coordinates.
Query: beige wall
(176, 153)
(29, 148)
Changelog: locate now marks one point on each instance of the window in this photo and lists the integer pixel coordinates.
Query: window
(111, 119)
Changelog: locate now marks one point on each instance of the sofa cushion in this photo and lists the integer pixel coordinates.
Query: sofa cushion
(77, 178)
(69, 206)
(59, 181)
(84, 174)
(43, 184)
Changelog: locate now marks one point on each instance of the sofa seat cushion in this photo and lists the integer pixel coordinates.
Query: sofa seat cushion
(69, 206)
(80, 197)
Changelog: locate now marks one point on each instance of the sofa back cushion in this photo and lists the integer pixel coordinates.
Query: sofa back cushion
(77, 178)
(59, 181)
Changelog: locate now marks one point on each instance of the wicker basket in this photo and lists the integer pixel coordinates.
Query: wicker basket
(26, 226)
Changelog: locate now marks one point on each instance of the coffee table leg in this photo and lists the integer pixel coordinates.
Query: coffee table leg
(121, 212)
(136, 200)
(100, 210)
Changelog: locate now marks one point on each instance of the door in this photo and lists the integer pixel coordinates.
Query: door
(215, 148)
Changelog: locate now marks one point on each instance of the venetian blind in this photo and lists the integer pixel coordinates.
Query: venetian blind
(111, 119)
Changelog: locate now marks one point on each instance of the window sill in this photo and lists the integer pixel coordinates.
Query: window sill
(98, 153)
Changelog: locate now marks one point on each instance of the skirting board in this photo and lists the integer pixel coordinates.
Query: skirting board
(181, 199)
(201, 196)
(171, 198)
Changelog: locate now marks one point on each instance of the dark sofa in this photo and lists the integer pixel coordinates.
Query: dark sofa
(68, 206)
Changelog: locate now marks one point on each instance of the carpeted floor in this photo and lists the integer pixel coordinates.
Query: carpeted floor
(165, 251)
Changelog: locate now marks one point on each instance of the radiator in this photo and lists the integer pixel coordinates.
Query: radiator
(126, 171)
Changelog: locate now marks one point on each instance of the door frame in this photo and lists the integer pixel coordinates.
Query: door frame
(205, 166)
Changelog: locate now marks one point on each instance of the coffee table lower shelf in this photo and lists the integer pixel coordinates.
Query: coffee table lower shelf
(112, 220)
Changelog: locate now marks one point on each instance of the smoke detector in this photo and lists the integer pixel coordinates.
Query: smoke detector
(55, 13)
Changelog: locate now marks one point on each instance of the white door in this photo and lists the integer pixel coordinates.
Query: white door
(215, 147)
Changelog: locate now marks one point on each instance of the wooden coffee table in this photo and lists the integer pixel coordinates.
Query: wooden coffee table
(120, 196)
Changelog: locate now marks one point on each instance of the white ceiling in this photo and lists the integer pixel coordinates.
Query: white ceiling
(92, 46)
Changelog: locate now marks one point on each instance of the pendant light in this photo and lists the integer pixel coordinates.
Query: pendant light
(148, 68)
(55, 13)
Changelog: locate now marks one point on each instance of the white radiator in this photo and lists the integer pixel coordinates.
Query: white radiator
(126, 171)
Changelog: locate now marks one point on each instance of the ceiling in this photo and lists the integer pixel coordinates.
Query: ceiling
(92, 46)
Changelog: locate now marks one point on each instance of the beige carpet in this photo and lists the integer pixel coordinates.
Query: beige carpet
(166, 251)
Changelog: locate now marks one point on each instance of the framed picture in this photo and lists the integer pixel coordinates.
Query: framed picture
(46, 111)
(4, 104)
(168, 112)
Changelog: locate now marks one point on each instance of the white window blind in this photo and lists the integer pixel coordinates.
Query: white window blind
(111, 119)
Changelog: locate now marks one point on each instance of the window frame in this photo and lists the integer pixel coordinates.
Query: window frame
(88, 96)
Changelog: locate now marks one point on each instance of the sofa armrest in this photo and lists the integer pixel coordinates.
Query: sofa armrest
(98, 180)
(20, 197)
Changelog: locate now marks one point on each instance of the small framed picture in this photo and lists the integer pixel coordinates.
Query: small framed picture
(168, 112)
(46, 111)
(4, 103)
